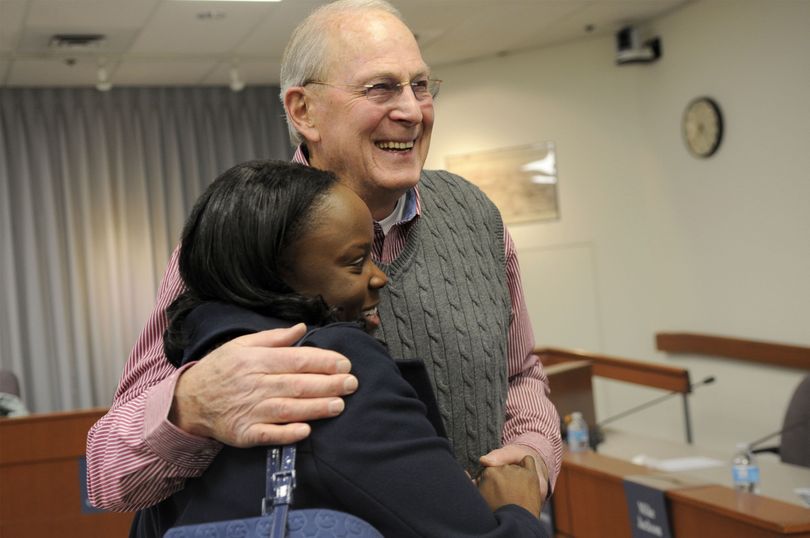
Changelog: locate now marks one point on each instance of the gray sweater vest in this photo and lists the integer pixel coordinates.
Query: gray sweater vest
(447, 303)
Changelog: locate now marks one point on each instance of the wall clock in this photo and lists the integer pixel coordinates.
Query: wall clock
(702, 126)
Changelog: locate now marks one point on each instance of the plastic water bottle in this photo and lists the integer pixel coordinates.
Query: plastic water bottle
(577, 433)
(745, 470)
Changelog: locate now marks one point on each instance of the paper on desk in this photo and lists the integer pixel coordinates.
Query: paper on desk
(804, 494)
(677, 464)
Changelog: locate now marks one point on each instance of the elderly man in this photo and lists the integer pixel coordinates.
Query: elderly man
(359, 102)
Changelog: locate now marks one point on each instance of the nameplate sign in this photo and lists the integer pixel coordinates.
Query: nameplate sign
(647, 509)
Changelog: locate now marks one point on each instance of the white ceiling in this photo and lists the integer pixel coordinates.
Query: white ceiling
(172, 42)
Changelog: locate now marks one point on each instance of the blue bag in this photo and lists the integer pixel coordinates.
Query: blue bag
(277, 521)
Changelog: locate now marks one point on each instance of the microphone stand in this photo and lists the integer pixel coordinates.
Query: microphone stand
(787, 428)
(598, 436)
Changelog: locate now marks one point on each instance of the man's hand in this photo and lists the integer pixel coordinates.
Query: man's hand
(256, 390)
(512, 484)
(514, 454)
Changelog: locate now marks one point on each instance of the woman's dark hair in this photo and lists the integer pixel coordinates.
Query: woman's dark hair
(235, 239)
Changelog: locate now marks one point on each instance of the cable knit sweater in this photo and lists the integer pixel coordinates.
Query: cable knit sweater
(447, 303)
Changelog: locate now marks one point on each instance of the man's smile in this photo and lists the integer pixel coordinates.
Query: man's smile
(393, 145)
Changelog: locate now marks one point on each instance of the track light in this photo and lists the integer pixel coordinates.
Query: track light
(103, 84)
(237, 84)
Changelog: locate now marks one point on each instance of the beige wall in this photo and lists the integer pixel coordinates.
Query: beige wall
(650, 238)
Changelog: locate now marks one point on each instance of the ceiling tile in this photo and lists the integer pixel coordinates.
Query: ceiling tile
(85, 15)
(614, 15)
(118, 20)
(475, 35)
(270, 36)
(603, 17)
(429, 22)
(136, 72)
(52, 72)
(12, 13)
(166, 42)
(176, 29)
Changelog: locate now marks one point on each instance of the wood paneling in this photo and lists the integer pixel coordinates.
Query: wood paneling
(571, 388)
(735, 348)
(631, 371)
(40, 492)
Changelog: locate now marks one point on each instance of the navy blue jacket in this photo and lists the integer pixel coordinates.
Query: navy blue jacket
(381, 459)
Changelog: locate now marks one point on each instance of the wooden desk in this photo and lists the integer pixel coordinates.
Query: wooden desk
(571, 388)
(778, 479)
(40, 488)
(645, 373)
(589, 497)
(622, 369)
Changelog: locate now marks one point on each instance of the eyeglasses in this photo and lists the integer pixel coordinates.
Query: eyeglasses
(383, 92)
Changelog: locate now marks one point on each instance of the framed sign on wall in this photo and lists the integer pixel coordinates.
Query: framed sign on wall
(521, 181)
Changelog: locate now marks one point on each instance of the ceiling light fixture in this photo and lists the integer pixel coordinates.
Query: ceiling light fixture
(103, 83)
(237, 84)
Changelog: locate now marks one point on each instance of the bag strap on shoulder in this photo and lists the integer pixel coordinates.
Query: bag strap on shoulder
(280, 482)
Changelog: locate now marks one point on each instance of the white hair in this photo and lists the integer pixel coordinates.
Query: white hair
(305, 56)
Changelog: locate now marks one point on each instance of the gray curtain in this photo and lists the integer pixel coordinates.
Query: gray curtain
(94, 189)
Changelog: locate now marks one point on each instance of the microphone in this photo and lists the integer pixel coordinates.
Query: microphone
(787, 428)
(597, 435)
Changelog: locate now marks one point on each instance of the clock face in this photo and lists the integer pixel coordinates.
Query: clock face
(702, 127)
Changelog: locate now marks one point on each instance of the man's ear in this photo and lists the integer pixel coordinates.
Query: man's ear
(300, 113)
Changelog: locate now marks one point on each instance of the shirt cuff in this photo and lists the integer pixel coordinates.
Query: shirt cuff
(166, 440)
(541, 446)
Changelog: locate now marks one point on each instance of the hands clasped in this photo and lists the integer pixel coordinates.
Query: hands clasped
(512, 483)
